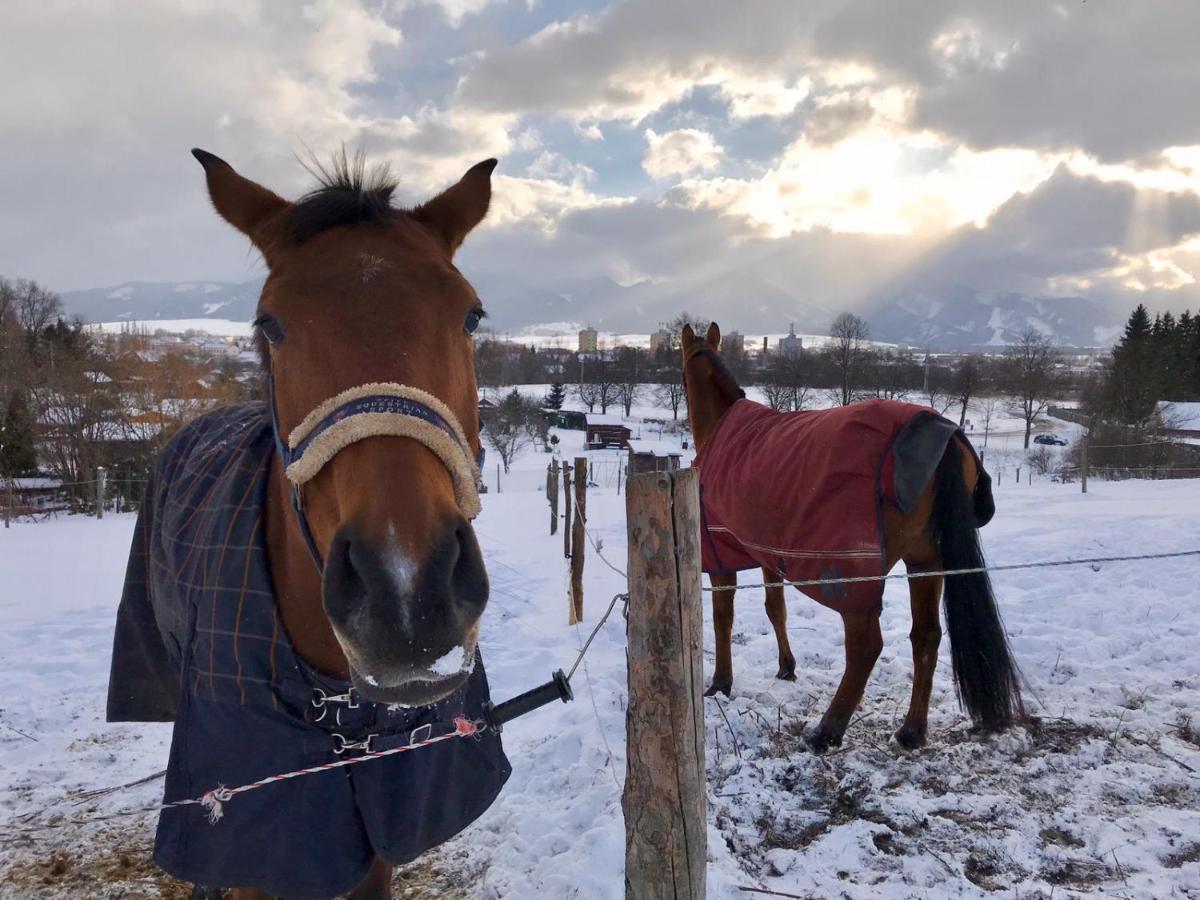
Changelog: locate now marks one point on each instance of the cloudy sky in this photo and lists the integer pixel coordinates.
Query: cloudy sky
(837, 151)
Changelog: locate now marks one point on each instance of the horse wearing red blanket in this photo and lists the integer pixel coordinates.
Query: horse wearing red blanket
(840, 494)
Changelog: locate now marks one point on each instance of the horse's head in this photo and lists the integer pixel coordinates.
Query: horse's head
(710, 387)
(362, 300)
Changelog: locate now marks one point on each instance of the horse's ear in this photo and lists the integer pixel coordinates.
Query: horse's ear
(455, 211)
(687, 337)
(247, 206)
(713, 336)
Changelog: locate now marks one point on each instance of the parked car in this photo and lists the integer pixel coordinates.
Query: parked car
(1052, 439)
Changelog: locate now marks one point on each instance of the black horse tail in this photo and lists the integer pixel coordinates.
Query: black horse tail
(986, 678)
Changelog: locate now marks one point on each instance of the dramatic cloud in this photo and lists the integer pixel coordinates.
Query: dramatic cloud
(680, 152)
(819, 155)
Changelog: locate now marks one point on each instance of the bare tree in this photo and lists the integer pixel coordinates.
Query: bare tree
(786, 382)
(849, 352)
(669, 392)
(36, 308)
(938, 393)
(1030, 376)
(512, 425)
(628, 371)
(892, 374)
(587, 393)
(968, 378)
(989, 405)
(598, 373)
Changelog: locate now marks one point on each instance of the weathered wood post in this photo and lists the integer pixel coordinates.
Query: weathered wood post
(1083, 463)
(664, 801)
(578, 540)
(552, 494)
(8, 502)
(101, 477)
(566, 474)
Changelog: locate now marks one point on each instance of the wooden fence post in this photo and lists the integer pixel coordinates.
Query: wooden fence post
(578, 540)
(665, 797)
(101, 476)
(566, 474)
(9, 502)
(552, 494)
(1083, 463)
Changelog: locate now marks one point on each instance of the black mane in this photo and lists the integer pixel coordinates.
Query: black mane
(346, 194)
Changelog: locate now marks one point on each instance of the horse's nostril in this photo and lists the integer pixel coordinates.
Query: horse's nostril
(346, 576)
(468, 583)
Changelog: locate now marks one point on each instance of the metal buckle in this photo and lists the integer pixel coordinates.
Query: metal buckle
(420, 733)
(344, 745)
(320, 698)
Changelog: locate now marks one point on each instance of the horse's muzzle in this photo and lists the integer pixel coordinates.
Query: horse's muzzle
(408, 627)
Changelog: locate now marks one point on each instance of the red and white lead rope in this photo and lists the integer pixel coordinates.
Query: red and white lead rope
(214, 801)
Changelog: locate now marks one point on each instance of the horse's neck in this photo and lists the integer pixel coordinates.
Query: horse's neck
(705, 420)
(297, 583)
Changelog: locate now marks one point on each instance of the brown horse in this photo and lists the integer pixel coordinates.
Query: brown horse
(365, 329)
(938, 532)
(366, 293)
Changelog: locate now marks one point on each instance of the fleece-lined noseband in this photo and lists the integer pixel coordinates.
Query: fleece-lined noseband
(375, 410)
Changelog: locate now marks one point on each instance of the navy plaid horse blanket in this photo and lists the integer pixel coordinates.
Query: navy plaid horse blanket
(199, 642)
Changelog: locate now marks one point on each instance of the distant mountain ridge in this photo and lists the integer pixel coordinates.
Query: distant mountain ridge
(960, 318)
(144, 301)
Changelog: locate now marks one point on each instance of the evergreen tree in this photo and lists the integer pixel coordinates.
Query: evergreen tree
(18, 455)
(556, 396)
(1134, 384)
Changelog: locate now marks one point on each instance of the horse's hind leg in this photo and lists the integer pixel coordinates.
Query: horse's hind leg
(722, 610)
(777, 613)
(864, 642)
(925, 596)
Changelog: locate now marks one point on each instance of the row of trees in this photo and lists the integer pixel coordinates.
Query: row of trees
(1153, 360)
(73, 400)
(846, 369)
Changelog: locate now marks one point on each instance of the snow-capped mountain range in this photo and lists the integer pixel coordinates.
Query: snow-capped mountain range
(959, 318)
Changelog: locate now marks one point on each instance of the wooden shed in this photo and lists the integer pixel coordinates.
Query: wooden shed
(607, 432)
(653, 456)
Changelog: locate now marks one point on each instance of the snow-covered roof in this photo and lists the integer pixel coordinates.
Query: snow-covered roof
(655, 448)
(1178, 415)
(35, 483)
(595, 419)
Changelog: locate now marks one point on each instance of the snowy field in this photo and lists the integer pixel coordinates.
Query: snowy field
(1103, 795)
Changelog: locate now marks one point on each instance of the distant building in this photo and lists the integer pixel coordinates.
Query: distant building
(653, 456)
(1178, 419)
(660, 340)
(607, 432)
(734, 342)
(589, 340)
(791, 346)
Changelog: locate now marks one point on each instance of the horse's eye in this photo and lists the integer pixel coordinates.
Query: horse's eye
(474, 317)
(271, 329)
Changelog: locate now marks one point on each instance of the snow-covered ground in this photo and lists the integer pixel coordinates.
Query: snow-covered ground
(1103, 796)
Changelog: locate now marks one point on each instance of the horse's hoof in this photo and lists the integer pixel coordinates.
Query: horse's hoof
(910, 738)
(786, 674)
(822, 739)
(719, 687)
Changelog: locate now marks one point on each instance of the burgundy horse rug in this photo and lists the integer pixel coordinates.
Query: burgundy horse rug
(199, 642)
(801, 494)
